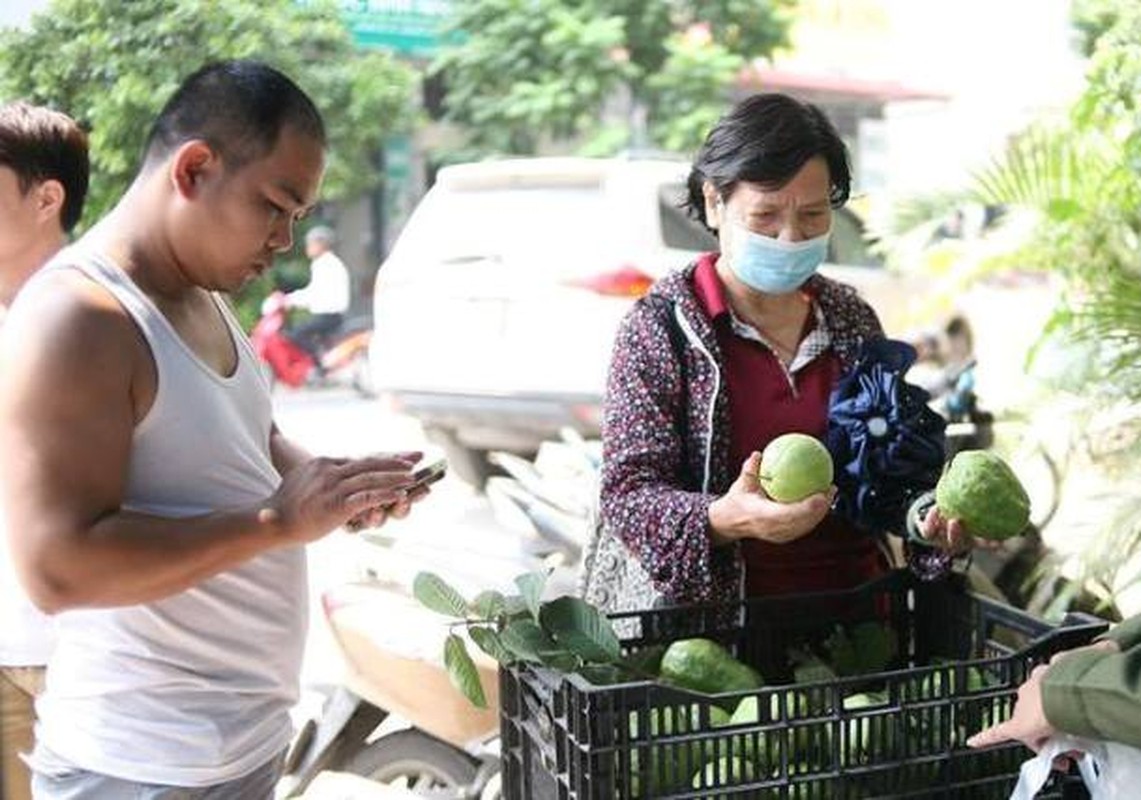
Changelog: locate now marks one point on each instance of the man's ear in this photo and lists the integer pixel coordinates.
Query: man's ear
(713, 205)
(191, 164)
(49, 196)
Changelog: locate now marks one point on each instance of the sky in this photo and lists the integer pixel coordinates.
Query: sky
(18, 12)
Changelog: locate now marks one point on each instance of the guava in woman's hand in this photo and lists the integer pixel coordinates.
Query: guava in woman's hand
(746, 512)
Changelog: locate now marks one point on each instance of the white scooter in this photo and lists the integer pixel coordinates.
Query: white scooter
(397, 720)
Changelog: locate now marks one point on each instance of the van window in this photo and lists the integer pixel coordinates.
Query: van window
(679, 231)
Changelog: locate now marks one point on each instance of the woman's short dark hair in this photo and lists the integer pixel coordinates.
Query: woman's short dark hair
(40, 144)
(766, 139)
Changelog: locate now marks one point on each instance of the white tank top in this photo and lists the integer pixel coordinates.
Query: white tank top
(194, 689)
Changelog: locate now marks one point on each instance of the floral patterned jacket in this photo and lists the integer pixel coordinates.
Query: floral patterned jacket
(666, 433)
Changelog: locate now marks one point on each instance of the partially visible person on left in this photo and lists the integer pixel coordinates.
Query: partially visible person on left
(43, 184)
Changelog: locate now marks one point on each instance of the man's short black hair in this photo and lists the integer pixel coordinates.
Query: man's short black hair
(39, 144)
(766, 139)
(239, 108)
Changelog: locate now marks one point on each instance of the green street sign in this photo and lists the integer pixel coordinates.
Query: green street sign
(409, 27)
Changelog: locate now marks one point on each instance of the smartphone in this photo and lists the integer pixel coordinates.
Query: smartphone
(426, 476)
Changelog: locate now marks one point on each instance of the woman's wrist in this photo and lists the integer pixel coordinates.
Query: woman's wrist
(722, 522)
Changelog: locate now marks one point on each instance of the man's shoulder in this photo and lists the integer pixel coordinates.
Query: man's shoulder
(67, 307)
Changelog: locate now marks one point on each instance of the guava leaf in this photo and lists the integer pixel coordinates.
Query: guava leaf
(489, 604)
(561, 660)
(531, 588)
(526, 640)
(581, 628)
(606, 674)
(462, 671)
(514, 606)
(438, 595)
(864, 648)
(489, 642)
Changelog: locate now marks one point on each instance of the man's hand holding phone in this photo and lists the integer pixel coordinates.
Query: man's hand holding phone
(422, 479)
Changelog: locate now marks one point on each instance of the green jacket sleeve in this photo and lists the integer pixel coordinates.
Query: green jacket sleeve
(1096, 694)
(1127, 634)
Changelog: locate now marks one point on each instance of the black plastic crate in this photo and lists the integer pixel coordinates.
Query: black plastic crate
(961, 660)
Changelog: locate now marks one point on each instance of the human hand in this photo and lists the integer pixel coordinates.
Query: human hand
(325, 493)
(376, 517)
(1028, 723)
(745, 511)
(949, 535)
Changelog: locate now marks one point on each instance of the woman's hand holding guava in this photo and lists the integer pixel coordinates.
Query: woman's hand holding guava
(979, 501)
(950, 535)
(745, 512)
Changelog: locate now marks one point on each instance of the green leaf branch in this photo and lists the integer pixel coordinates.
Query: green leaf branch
(566, 634)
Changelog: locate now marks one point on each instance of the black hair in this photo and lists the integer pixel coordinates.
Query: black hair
(767, 138)
(238, 107)
(39, 144)
(958, 328)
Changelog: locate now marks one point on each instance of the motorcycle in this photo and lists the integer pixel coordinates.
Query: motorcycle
(344, 356)
(442, 748)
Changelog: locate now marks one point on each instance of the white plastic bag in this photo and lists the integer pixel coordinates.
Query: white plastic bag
(1111, 771)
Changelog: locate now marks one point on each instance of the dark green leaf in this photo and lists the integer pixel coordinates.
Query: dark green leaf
(462, 671)
(526, 640)
(490, 643)
(561, 661)
(438, 595)
(531, 589)
(606, 674)
(581, 628)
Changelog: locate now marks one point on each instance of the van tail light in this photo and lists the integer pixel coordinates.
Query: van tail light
(589, 414)
(626, 281)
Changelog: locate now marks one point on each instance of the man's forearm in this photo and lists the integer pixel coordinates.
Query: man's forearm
(128, 558)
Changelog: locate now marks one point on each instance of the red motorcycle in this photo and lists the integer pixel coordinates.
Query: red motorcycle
(344, 358)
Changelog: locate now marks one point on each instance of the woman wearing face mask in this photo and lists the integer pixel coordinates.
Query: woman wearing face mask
(743, 345)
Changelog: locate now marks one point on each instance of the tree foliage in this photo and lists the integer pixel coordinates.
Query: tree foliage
(683, 105)
(524, 68)
(1081, 184)
(1092, 18)
(111, 64)
(524, 71)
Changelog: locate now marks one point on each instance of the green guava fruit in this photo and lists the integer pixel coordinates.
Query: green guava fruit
(725, 771)
(794, 466)
(703, 665)
(982, 491)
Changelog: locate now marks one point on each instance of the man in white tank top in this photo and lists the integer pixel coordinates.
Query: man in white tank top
(43, 183)
(162, 515)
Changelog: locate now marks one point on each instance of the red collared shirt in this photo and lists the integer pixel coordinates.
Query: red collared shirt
(768, 399)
